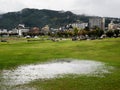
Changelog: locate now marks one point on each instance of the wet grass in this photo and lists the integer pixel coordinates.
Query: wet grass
(20, 52)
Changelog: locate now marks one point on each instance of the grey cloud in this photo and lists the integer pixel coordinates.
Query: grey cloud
(11, 5)
(90, 7)
(98, 7)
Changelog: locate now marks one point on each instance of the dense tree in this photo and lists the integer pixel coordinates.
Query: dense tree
(86, 28)
(82, 32)
(116, 32)
(99, 33)
(76, 31)
(110, 33)
(38, 18)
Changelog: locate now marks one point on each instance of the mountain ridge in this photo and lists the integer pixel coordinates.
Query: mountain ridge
(40, 18)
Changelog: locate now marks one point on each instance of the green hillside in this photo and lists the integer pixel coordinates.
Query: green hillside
(40, 18)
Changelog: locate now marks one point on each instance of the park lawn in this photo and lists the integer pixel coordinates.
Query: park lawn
(20, 52)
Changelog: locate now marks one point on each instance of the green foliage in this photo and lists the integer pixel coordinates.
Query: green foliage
(99, 33)
(38, 18)
(82, 32)
(76, 31)
(92, 33)
(110, 33)
(64, 34)
(116, 32)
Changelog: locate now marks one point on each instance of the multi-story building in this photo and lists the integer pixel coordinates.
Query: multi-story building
(98, 22)
(113, 26)
(80, 25)
(46, 29)
(21, 29)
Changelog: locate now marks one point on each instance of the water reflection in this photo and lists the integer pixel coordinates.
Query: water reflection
(27, 73)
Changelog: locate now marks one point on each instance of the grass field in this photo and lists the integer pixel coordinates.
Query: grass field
(21, 52)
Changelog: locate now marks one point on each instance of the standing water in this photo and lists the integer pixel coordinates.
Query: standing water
(27, 73)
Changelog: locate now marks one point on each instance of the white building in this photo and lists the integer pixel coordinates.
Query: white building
(10, 31)
(3, 31)
(20, 29)
(99, 22)
(0, 31)
(80, 25)
(113, 26)
(45, 29)
(14, 30)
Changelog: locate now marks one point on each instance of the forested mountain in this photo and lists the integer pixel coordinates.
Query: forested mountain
(40, 18)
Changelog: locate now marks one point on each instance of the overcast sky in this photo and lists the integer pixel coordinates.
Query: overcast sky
(89, 7)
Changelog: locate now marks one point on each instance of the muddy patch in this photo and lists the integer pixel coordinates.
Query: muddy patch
(27, 73)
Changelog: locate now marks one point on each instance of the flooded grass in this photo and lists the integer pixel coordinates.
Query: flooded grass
(27, 73)
(24, 58)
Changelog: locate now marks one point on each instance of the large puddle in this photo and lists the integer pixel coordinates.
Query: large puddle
(27, 73)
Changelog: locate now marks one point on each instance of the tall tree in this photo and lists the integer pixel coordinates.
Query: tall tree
(116, 32)
(76, 31)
